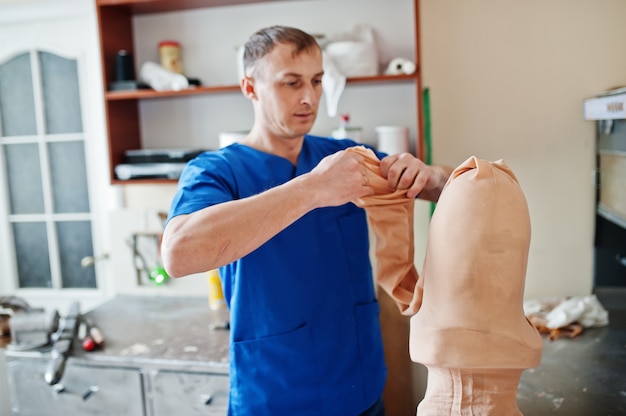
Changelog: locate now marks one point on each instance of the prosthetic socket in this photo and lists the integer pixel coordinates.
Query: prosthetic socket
(468, 325)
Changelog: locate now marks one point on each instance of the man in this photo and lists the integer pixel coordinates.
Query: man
(274, 213)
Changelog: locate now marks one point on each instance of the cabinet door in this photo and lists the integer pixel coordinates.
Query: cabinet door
(83, 390)
(50, 143)
(188, 394)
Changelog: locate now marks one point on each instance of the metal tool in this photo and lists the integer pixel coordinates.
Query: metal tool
(32, 329)
(62, 345)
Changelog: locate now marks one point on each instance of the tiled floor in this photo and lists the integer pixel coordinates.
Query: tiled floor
(583, 376)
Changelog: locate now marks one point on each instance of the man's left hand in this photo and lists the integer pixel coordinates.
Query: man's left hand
(405, 171)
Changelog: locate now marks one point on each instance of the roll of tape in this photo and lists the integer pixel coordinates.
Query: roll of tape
(400, 66)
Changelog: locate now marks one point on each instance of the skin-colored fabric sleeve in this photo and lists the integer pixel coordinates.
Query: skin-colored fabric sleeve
(390, 214)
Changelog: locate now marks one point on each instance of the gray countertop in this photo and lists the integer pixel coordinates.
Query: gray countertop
(160, 330)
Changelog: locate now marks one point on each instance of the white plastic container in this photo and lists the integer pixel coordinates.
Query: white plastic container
(346, 131)
(352, 133)
(393, 139)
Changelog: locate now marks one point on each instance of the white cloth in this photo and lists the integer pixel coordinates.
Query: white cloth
(162, 79)
(587, 310)
(333, 84)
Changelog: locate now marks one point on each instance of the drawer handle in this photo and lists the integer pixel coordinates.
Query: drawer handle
(208, 399)
(89, 392)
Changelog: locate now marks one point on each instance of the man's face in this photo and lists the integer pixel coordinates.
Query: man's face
(288, 90)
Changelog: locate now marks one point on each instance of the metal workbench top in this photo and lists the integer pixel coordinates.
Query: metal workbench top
(155, 331)
(161, 330)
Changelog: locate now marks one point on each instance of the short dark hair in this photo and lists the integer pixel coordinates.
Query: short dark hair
(263, 41)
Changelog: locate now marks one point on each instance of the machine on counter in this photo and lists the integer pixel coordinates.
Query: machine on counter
(44, 329)
(154, 163)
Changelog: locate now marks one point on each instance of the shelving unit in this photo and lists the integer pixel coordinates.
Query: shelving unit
(115, 23)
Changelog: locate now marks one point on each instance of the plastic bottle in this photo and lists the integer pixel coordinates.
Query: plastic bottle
(216, 295)
(345, 131)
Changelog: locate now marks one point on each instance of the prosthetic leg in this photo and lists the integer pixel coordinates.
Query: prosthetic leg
(469, 328)
(471, 331)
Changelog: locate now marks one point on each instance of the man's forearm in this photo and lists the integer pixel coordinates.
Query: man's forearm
(223, 233)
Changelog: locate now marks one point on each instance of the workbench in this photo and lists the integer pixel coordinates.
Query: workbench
(169, 356)
(162, 356)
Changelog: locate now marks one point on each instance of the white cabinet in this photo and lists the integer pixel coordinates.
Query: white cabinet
(185, 393)
(97, 390)
(162, 356)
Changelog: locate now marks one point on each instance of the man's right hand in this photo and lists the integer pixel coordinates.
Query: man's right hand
(338, 179)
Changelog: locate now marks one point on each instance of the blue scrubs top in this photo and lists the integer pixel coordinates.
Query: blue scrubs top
(305, 332)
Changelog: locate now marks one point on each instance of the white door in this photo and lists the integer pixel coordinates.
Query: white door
(51, 135)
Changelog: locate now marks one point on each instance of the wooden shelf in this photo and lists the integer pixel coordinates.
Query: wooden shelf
(162, 6)
(122, 108)
(150, 93)
(382, 78)
(144, 181)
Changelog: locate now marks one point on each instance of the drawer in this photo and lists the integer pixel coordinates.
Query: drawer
(188, 394)
(86, 390)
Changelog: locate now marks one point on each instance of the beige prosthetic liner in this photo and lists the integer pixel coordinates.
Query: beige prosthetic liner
(471, 331)
(390, 214)
(469, 327)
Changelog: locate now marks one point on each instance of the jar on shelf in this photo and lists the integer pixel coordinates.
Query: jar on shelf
(170, 56)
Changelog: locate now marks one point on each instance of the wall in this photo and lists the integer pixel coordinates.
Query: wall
(507, 80)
